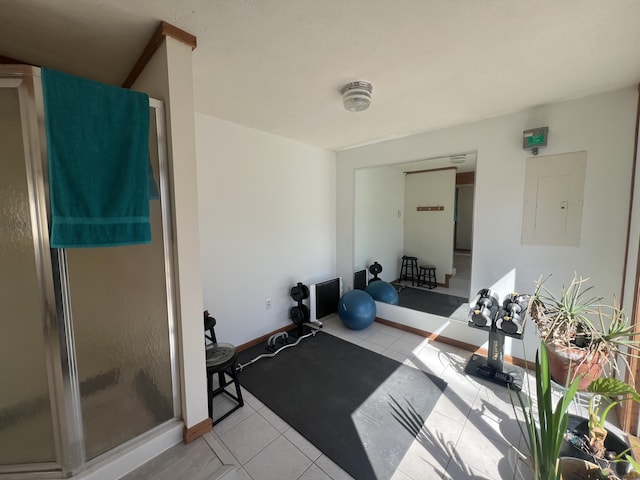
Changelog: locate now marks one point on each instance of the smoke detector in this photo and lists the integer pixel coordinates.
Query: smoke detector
(356, 96)
(458, 159)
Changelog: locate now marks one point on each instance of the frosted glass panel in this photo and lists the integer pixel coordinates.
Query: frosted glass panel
(26, 434)
(119, 308)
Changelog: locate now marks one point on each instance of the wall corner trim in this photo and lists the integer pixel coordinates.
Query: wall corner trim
(164, 30)
(199, 429)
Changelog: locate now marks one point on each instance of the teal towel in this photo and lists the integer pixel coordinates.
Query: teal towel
(97, 139)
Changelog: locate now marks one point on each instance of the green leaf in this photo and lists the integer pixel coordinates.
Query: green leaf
(633, 462)
(612, 387)
(544, 442)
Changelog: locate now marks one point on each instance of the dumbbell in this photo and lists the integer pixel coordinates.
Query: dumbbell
(513, 311)
(484, 307)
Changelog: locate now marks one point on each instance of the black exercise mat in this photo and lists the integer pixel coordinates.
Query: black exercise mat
(351, 403)
(430, 302)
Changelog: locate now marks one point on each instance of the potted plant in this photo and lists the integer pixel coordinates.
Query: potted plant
(545, 426)
(583, 336)
(545, 440)
(589, 439)
(578, 469)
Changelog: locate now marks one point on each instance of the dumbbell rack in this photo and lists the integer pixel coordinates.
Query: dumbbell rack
(299, 313)
(492, 367)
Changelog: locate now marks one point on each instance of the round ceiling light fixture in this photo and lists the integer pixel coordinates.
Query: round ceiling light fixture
(356, 96)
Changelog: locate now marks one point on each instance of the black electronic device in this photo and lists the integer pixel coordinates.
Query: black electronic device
(324, 298)
(360, 280)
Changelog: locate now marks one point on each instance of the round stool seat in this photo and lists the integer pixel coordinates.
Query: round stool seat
(221, 355)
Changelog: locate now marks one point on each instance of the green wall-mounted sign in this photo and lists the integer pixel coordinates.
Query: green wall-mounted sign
(535, 138)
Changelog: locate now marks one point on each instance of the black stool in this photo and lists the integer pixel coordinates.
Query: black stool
(409, 269)
(427, 276)
(222, 360)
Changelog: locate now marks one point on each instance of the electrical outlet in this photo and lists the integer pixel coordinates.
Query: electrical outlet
(267, 303)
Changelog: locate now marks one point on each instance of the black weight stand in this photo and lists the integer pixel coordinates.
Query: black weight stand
(507, 321)
(299, 313)
(375, 269)
(492, 367)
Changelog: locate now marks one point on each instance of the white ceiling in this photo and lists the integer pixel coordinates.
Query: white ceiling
(278, 65)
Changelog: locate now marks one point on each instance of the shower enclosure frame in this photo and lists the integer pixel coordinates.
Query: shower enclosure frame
(51, 266)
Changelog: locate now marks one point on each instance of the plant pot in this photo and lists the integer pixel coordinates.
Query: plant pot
(569, 362)
(577, 469)
(580, 426)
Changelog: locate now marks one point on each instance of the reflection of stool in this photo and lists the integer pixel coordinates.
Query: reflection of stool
(427, 276)
(222, 359)
(409, 269)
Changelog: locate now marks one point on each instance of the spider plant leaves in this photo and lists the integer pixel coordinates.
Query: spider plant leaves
(575, 318)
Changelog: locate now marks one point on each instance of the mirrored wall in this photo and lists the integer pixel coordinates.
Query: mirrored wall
(422, 209)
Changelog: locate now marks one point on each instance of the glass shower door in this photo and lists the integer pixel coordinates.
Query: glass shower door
(26, 426)
(120, 313)
(87, 336)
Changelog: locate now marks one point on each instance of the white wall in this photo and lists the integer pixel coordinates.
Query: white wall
(267, 220)
(603, 125)
(168, 77)
(428, 235)
(379, 220)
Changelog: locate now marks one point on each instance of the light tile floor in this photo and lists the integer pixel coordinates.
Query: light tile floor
(468, 435)
(195, 461)
(471, 434)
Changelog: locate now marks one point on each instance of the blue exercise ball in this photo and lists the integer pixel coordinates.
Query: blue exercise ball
(357, 309)
(383, 292)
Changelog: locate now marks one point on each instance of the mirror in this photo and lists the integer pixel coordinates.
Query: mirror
(422, 209)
